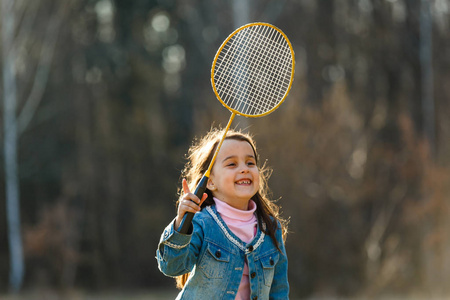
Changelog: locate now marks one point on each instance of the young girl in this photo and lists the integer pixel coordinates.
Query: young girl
(235, 247)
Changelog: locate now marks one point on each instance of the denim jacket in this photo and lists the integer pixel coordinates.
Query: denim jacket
(215, 258)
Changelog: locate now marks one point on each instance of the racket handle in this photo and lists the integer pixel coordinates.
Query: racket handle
(187, 219)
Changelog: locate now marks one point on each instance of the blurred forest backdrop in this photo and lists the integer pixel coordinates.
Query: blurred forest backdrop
(101, 100)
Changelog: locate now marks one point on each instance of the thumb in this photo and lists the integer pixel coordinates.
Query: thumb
(205, 195)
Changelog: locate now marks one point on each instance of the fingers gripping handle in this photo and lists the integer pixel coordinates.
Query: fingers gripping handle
(187, 219)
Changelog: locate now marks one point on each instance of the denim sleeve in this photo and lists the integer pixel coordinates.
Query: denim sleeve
(280, 284)
(177, 253)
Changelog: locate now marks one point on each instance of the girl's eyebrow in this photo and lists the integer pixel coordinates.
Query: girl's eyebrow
(234, 156)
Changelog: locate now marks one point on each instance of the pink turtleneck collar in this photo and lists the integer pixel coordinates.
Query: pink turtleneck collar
(241, 222)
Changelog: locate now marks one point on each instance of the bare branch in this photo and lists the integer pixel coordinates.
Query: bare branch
(42, 70)
(29, 10)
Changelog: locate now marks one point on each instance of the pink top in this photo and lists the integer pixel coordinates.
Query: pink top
(243, 224)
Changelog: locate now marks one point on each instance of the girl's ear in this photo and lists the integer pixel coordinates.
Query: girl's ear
(210, 185)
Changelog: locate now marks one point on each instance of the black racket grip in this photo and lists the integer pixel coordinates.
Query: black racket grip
(187, 219)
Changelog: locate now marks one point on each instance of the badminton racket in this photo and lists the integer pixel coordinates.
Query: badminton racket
(251, 75)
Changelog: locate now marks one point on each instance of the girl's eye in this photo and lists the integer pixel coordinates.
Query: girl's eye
(231, 164)
(250, 163)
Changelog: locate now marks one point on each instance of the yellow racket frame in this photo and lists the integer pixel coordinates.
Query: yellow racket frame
(220, 50)
(234, 112)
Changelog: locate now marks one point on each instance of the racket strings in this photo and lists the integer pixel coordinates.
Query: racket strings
(261, 79)
(253, 70)
(270, 68)
(270, 59)
(232, 70)
(242, 86)
(253, 92)
(238, 80)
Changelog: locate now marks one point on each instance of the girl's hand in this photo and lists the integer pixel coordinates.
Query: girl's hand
(189, 203)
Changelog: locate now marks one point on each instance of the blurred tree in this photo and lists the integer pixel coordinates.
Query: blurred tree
(426, 66)
(10, 145)
(15, 38)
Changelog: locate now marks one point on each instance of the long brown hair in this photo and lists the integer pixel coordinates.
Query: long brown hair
(200, 155)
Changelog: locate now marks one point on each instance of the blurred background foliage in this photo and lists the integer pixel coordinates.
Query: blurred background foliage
(360, 149)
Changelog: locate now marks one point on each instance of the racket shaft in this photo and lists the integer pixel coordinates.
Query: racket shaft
(201, 186)
(187, 219)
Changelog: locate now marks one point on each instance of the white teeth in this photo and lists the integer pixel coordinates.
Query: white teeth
(244, 182)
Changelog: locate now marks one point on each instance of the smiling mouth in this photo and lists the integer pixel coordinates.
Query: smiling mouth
(244, 182)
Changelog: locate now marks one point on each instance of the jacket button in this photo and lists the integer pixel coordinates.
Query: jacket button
(253, 275)
(250, 248)
(218, 254)
(271, 262)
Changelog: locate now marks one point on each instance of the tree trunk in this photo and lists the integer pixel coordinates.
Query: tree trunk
(10, 147)
(426, 65)
(241, 16)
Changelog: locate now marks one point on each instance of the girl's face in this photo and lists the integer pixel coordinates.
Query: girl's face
(234, 178)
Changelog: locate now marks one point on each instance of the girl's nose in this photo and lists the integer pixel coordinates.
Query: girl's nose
(244, 170)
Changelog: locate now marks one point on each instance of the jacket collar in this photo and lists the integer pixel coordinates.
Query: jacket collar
(253, 245)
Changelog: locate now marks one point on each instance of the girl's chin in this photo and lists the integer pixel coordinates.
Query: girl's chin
(245, 195)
